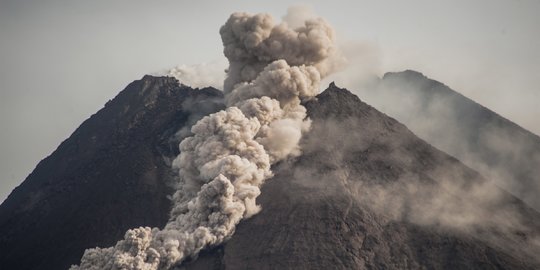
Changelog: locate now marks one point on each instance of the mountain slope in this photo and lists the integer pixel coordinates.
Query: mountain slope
(107, 177)
(482, 139)
(318, 212)
(365, 194)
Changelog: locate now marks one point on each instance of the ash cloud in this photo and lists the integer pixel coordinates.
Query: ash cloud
(253, 42)
(222, 166)
(196, 108)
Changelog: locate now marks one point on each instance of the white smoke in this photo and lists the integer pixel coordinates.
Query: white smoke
(200, 75)
(272, 68)
(252, 42)
(298, 14)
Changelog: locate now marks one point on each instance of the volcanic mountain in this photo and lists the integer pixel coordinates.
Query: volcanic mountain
(366, 193)
(498, 148)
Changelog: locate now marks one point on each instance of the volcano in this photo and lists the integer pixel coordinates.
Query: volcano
(366, 193)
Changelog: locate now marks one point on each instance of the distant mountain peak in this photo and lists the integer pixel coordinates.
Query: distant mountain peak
(407, 73)
(497, 147)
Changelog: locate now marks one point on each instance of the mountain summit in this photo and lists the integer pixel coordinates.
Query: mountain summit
(365, 193)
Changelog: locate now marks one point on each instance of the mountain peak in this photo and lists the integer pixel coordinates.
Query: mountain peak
(409, 73)
(497, 147)
(337, 97)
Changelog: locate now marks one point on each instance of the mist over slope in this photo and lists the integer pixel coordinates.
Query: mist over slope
(482, 139)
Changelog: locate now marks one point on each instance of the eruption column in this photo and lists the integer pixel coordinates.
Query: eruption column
(228, 158)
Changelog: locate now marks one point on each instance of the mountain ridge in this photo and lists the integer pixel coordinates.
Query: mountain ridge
(416, 75)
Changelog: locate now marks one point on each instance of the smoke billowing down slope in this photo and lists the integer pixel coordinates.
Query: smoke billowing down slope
(272, 68)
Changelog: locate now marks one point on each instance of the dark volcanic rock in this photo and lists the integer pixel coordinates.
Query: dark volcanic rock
(110, 175)
(319, 210)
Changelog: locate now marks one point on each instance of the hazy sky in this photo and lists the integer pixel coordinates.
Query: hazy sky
(60, 61)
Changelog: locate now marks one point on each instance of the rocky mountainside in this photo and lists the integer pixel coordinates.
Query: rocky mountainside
(491, 144)
(108, 176)
(365, 194)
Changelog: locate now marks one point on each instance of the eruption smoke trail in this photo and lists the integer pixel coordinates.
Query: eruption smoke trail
(223, 165)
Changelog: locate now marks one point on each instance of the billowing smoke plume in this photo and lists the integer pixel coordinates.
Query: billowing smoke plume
(223, 165)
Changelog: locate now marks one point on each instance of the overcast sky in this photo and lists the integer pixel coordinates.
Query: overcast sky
(60, 61)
